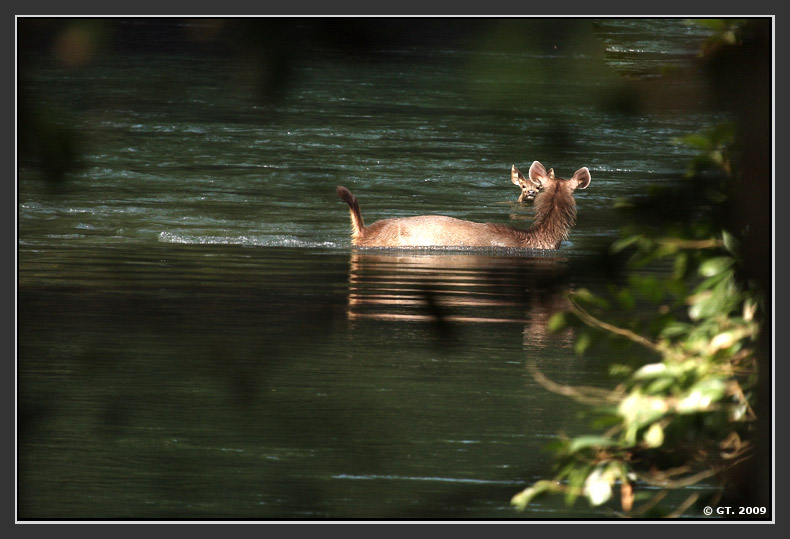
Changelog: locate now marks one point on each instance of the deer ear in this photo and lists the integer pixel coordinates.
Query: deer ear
(582, 178)
(515, 174)
(537, 173)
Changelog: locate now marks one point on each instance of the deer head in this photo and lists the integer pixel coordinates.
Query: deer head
(529, 188)
(539, 176)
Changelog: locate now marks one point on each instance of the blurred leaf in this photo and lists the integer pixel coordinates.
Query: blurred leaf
(674, 409)
(622, 243)
(696, 140)
(718, 25)
(730, 242)
(585, 442)
(675, 329)
(638, 410)
(598, 486)
(605, 420)
(626, 299)
(577, 478)
(650, 370)
(710, 283)
(679, 266)
(702, 395)
(583, 342)
(584, 295)
(654, 437)
(715, 266)
(525, 497)
(647, 286)
(557, 322)
(616, 369)
(660, 385)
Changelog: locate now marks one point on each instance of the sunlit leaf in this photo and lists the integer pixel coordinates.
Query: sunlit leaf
(721, 341)
(598, 486)
(650, 370)
(702, 395)
(654, 436)
(715, 266)
(661, 385)
(638, 410)
(730, 242)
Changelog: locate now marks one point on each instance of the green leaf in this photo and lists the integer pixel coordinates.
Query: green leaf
(704, 306)
(605, 421)
(576, 480)
(618, 369)
(675, 329)
(525, 497)
(557, 322)
(621, 244)
(651, 370)
(660, 385)
(638, 410)
(623, 203)
(731, 243)
(715, 266)
(696, 140)
(584, 295)
(680, 265)
(626, 299)
(583, 342)
(654, 436)
(647, 286)
(717, 25)
(590, 441)
(702, 396)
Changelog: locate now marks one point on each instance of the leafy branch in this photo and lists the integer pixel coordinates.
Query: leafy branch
(683, 411)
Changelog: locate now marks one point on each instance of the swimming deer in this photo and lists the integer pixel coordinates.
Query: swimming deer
(555, 214)
(528, 189)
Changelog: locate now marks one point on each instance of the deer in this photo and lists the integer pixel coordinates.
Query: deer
(555, 215)
(529, 190)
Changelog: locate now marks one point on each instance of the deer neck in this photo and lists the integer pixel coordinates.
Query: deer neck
(555, 214)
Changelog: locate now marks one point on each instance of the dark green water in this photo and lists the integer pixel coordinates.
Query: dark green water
(196, 337)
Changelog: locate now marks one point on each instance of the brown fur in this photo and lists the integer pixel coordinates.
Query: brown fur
(555, 214)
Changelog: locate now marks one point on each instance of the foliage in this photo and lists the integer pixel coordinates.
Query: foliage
(687, 414)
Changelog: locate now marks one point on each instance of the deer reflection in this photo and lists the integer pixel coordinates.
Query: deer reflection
(453, 288)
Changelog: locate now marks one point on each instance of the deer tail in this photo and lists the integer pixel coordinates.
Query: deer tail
(357, 224)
